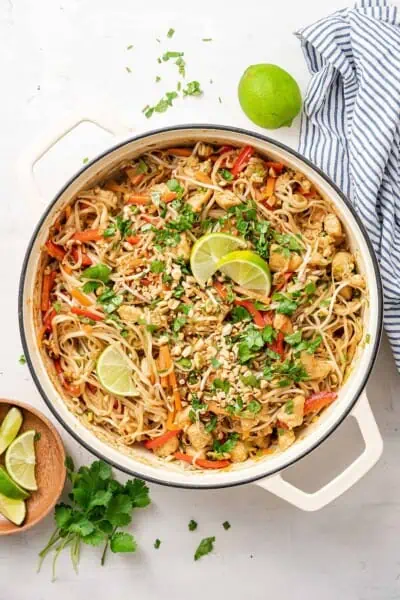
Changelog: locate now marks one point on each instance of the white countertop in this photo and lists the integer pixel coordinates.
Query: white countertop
(59, 58)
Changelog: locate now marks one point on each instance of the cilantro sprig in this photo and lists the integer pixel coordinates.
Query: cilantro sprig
(99, 506)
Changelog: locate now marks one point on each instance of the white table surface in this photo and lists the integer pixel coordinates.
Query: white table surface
(62, 58)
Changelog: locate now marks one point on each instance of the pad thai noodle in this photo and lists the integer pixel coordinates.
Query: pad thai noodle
(215, 372)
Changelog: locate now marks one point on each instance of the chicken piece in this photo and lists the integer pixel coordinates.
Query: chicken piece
(226, 199)
(357, 281)
(282, 184)
(351, 307)
(199, 199)
(286, 437)
(159, 188)
(255, 171)
(198, 437)
(316, 368)
(333, 227)
(239, 453)
(262, 441)
(303, 181)
(182, 417)
(346, 292)
(130, 313)
(197, 453)
(282, 323)
(193, 166)
(292, 413)
(168, 448)
(204, 150)
(279, 262)
(317, 260)
(342, 265)
(183, 248)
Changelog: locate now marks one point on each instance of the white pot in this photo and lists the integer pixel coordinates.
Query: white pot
(266, 472)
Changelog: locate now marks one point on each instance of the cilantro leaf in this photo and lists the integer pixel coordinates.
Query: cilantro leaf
(205, 547)
(157, 266)
(286, 305)
(211, 425)
(226, 525)
(192, 525)
(122, 542)
(221, 384)
(138, 493)
(239, 313)
(62, 515)
(222, 448)
(157, 544)
(119, 510)
(97, 272)
(192, 89)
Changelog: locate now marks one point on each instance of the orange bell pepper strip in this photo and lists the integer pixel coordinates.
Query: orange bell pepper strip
(318, 401)
(161, 439)
(133, 239)
(169, 196)
(270, 187)
(89, 235)
(81, 297)
(175, 391)
(202, 462)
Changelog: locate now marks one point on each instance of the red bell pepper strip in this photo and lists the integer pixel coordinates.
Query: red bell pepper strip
(203, 463)
(318, 401)
(48, 320)
(74, 390)
(276, 166)
(256, 314)
(268, 317)
(161, 439)
(47, 286)
(277, 346)
(55, 251)
(85, 260)
(242, 160)
(286, 278)
(224, 149)
(86, 313)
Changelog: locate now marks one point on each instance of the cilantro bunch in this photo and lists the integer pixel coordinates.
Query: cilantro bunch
(99, 506)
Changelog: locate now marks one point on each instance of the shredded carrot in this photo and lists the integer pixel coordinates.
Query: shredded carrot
(68, 269)
(68, 211)
(203, 177)
(87, 329)
(221, 289)
(133, 239)
(138, 200)
(162, 366)
(175, 391)
(170, 420)
(270, 187)
(48, 281)
(161, 439)
(81, 297)
(134, 178)
(89, 235)
(169, 196)
(180, 151)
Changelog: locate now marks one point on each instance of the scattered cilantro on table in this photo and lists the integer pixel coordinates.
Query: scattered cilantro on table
(205, 547)
(99, 506)
(22, 359)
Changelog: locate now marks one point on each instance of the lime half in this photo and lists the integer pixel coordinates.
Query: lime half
(21, 460)
(9, 428)
(13, 510)
(114, 372)
(247, 269)
(208, 250)
(9, 488)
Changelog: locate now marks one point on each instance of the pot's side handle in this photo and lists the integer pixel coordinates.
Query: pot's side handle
(373, 449)
(48, 139)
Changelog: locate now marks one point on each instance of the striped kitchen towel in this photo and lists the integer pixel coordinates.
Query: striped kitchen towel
(351, 126)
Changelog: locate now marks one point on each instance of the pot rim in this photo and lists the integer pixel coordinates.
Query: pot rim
(367, 369)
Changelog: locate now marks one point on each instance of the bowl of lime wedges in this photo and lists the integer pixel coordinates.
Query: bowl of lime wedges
(32, 470)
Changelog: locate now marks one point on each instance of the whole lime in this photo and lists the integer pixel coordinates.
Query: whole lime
(269, 96)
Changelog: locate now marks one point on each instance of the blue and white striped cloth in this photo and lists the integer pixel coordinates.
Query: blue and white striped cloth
(351, 126)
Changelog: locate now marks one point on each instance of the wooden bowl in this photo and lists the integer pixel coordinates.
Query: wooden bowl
(50, 467)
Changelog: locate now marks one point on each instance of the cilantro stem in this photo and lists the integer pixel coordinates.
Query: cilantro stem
(55, 536)
(103, 556)
(57, 553)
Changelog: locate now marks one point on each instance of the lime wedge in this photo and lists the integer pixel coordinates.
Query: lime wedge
(9, 428)
(114, 372)
(208, 250)
(21, 460)
(9, 488)
(13, 510)
(247, 269)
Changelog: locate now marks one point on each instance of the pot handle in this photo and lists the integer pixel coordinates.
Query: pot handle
(49, 139)
(373, 449)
